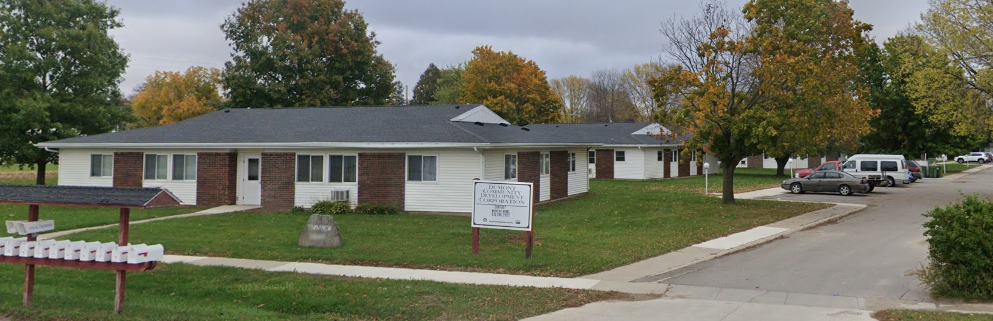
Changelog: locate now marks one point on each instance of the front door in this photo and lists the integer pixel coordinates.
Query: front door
(252, 181)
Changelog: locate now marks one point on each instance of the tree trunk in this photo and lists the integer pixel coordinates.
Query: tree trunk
(727, 194)
(781, 165)
(40, 180)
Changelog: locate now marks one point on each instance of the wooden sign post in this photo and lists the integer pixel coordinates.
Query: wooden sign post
(505, 206)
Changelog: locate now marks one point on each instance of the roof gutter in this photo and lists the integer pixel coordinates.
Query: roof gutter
(475, 146)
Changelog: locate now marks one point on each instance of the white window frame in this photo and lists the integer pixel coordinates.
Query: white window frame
(675, 156)
(343, 172)
(510, 170)
(104, 166)
(591, 157)
(310, 173)
(186, 159)
(156, 176)
(572, 162)
(693, 157)
(660, 156)
(545, 164)
(620, 156)
(422, 156)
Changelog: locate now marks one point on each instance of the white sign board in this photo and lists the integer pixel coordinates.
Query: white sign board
(502, 205)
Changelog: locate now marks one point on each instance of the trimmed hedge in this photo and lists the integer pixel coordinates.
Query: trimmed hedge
(329, 207)
(375, 209)
(960, 239)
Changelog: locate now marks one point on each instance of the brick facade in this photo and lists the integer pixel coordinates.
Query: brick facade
(128, 169)
(382, 180)
(529, 171)
(667, 163)
(814, 162)
(755, 161)
(833, 156)
(217, 179)
(605, 163)
(559, 183)
(278, 180)
(684, 165)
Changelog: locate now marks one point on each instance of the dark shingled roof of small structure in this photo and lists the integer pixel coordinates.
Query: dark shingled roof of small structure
(87, 196)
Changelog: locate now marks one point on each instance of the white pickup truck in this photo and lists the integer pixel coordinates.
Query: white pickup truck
(979, 157)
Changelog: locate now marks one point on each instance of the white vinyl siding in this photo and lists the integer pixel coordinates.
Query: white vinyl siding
(452, 192)
(74, 168)
(493, 165)
(633, 167)
(185, 190)
(308, 193)
(693, 167)
(579, 180)
(654, 168)
(674, 163)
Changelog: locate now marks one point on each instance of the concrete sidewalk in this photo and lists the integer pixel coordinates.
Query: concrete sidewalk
(210, 211)
(967, 172)
(702, 310)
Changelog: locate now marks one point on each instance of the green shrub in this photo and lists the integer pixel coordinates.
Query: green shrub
(298, 209)
(960, 239)
(375, 209)
(329, 207)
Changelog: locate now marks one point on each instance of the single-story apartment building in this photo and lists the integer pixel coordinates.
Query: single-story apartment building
(806, 161)
(632, 150)
(415, 158)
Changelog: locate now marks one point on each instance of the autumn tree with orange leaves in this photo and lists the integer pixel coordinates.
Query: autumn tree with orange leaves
(771, 77)
(513, 87)
(168, 97)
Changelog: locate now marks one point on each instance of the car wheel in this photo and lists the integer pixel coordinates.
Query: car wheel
(892, 181)
(871, 187)
(845, 190)
(960, 160)
(796, 188)
(982, 161)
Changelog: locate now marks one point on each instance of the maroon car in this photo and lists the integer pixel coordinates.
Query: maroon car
(827, 166)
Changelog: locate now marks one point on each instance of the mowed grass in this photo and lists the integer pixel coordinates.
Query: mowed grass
(186, 292)
(73, 217)
(619, 223)
(17, 175)
(952, 168)
(913, 315)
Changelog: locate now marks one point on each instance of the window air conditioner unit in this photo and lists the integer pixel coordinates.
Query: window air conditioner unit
(339, 196)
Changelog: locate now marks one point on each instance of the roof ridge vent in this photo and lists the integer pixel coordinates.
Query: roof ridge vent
(525, 129)
(504, 124)
(478, 123)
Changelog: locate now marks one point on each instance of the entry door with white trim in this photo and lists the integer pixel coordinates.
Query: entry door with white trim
(252, 180)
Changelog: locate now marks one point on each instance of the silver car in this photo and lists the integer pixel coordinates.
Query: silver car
(827, 181)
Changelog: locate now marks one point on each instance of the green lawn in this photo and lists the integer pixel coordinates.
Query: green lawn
(621, 222)
(73, 217)
(953, 168)
(913, 315)
(186, 292)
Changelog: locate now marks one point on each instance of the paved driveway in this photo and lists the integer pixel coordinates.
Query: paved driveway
(871, 254)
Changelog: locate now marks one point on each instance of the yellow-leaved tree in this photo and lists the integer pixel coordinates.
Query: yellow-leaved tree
(513, 87)
(167, 97)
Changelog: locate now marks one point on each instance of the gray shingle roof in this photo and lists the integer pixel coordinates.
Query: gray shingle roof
(87, 196)
(332, 125)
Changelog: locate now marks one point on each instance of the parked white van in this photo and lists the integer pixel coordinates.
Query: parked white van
(881, 170)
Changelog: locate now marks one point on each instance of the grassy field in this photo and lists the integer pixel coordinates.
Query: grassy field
(953, 168)
(186, 292)
(15, 175)
(73, 217)
(619, 223)
(913, 315)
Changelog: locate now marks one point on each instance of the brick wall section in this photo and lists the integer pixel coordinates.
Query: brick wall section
(684, 165)
(128, 169)
(667, 163)
(700, 157)
(755, 161)
(814, 161)
(529, 172)
(560, 174)
(832, 156)
(605, 163)
(163, 200)
(382, 180)
(278, 180)
(217, 175)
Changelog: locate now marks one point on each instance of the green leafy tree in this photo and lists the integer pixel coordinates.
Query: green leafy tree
(807, 53)
(167, 97)
(59, 71)
(399, 95)
(513, 87)
(426, 86)
(450, 84)
(303, 53)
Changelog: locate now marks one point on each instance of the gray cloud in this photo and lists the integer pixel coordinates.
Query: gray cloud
(564, 37)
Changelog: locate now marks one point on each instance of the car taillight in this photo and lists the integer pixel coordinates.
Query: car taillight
(863, 181)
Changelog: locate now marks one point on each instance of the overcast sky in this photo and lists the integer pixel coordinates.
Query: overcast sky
(564, 37)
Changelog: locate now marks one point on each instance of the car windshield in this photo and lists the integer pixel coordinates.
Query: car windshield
(847, 175)
(848, 165)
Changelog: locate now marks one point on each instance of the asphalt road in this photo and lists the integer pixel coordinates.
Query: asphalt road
(870, 254)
